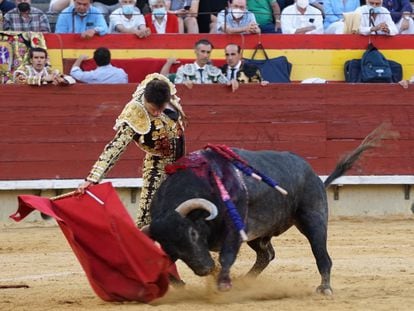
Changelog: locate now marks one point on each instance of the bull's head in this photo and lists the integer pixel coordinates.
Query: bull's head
(186, 239)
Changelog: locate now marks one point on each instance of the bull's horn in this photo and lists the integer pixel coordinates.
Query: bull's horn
(184, 208)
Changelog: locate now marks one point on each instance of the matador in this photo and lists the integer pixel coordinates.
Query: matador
(160, 135)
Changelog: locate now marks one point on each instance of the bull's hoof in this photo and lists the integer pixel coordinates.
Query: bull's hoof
(324, 290)
(224, 286)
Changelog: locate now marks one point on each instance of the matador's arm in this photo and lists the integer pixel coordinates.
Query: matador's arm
(111, 153)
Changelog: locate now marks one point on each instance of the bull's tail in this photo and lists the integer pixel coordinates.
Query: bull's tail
(371, 141)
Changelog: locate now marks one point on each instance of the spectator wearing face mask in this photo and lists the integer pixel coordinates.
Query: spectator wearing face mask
(237, 19)
(128, 19)
(301, 18)
(26, 18)
(375, 19)
(160, 21)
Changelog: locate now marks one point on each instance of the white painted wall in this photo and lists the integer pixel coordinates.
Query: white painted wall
(354, 200)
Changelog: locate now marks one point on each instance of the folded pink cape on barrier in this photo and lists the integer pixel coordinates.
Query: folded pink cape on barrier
(121, 263)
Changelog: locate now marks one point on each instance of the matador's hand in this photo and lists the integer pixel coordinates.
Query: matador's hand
(82, 187)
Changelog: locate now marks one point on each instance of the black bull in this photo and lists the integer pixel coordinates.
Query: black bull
(179, 221)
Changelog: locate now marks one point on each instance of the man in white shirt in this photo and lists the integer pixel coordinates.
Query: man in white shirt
(128, 19)
(375, 19)
(301, 18)
(104, 74)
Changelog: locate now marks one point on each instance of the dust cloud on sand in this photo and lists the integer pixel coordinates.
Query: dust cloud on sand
(373, 269)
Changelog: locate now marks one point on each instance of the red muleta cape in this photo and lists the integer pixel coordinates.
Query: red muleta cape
(120, 262)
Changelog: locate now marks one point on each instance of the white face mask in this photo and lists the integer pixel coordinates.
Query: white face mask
(302, 3)
(159, 12)
(374, 9)
(237, 13)
(128, 9)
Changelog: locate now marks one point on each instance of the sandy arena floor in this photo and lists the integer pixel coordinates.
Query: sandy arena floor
(373, 270)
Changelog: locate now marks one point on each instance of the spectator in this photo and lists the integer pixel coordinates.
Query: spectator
(236, 69)
(128, 19)
(334, 18)
(37, 72)
(82, 18)
(375, 19)
(302, 18)
(267, 13)
(107, 6)
(401, 15)
(105, 73)
(201, 71)
(5, 6)
(187, 11)
(26, 18)
(237, 19)
(160, 21)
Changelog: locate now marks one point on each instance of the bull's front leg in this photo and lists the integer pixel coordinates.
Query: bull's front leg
(228, 254)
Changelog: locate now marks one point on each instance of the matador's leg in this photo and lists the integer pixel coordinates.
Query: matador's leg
(152, 175)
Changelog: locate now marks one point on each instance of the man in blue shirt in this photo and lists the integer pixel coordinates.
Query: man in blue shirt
(82, 18)
(104, 74)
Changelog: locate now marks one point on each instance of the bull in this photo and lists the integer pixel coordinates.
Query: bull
(189, 218)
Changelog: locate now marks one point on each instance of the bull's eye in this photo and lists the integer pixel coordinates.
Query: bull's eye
(193, 234)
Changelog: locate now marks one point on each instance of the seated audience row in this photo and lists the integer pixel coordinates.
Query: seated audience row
(201, 71)
(233, 73)
(241, 16)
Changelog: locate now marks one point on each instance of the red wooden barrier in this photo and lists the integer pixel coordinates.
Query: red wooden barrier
(58, 132)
